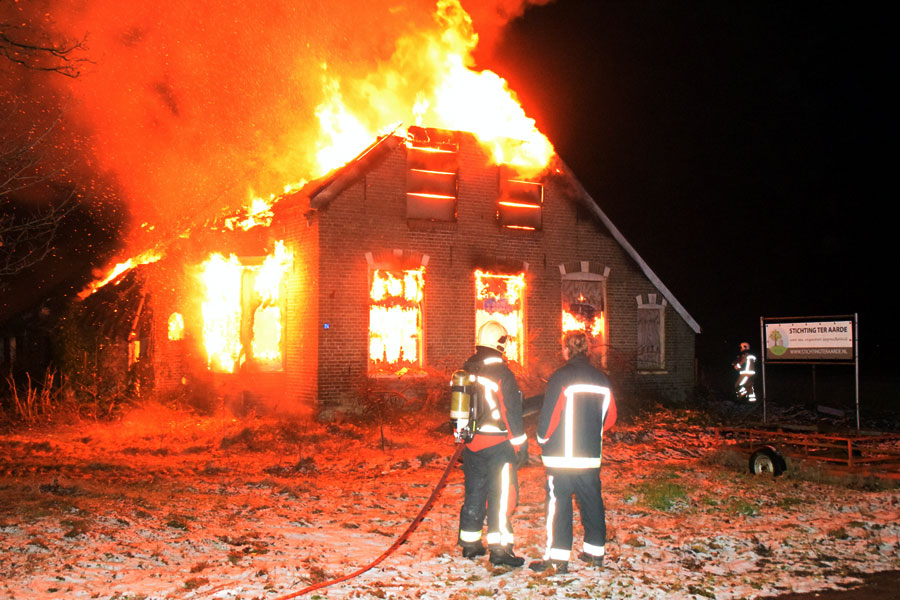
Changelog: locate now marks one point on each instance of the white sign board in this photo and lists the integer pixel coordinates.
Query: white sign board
(809, 341)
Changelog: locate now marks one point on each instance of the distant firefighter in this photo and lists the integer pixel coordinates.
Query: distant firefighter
(745, 365)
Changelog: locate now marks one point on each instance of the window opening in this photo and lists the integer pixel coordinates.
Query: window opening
(584, 309)
(175, 327)
(243, 311)
(651, 335)
(501, 298)
(520, 205)
(431, 175)
(395, 319)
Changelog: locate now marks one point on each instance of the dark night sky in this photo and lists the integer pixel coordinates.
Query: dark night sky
(743, 148)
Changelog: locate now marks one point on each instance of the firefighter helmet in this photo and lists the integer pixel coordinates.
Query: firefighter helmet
(745, 347)
(492, 335)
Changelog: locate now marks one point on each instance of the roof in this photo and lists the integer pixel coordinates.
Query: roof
(322, 191)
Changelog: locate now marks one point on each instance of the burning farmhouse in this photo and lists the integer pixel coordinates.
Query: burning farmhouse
(379, 274)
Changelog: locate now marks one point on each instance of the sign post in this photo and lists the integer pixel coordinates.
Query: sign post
(811, 340)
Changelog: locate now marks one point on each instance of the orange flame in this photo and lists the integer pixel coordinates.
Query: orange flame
(499, 298)
(429, 82)
(267, 318)
(395, 317)
(148, 257)
(225, 313)
(596, 327)
(176, 326)
(221, 311)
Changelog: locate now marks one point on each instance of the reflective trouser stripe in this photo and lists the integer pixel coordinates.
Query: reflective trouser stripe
(469, 537)
(551, 513)
(594, 550)
(505, 535)
(558, 554)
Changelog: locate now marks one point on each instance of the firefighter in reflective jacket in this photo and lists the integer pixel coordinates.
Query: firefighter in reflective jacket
(491, 456)
(578, 407)
(745, 365)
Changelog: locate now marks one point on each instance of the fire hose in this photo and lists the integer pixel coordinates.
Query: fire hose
(409, 530)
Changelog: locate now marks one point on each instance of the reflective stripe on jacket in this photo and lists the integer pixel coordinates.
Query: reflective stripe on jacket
(500, 411)
(578, 407)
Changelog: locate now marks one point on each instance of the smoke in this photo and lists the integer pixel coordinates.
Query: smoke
(200, 105)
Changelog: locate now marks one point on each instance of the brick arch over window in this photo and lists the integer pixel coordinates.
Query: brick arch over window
(396, 321)
(584, 303)
(651, 333)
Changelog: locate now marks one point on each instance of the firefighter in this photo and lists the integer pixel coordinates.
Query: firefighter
(578, 407)
(496, 448)
(745, 365)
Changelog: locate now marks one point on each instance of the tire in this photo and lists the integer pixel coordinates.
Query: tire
(767, 461)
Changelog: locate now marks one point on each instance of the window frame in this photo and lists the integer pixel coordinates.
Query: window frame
(657, 364)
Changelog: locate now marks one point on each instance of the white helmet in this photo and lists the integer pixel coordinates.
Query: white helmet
(492, 335)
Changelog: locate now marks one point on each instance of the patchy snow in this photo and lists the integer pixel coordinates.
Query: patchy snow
(169, 505)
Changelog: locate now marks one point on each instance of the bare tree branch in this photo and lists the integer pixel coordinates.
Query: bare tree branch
(27, 233)
(25, 241)
(62, 58)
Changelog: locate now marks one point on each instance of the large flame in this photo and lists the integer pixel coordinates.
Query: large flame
(267, 317)
(395, 318)
(499, 298)
(188, 112)
(225, 310)
(429, 81)
(221, 311)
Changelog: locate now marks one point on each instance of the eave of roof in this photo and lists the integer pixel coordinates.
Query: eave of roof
(594, 207)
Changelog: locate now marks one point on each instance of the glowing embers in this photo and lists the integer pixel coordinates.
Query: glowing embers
(395, 319)
(175, 327)
(243, 311)
(583, 302)
(500, 298)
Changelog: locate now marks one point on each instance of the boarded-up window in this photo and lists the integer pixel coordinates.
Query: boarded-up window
(431, 176)
(651, 335)
(520, 205)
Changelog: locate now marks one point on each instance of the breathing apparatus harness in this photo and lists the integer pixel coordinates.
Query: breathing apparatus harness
(463, 405)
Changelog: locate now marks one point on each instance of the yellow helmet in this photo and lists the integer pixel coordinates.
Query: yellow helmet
(492, 335)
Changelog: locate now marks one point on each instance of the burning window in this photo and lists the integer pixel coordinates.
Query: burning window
(243, 311)
(584, 308)
(175, 326)
(395, 319)
(520, 205)
(651, 328)
(501, 298)
(431, 176)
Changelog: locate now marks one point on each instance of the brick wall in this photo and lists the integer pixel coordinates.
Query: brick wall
(328, 313)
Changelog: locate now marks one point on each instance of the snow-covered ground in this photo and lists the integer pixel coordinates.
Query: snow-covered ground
(169, 505)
